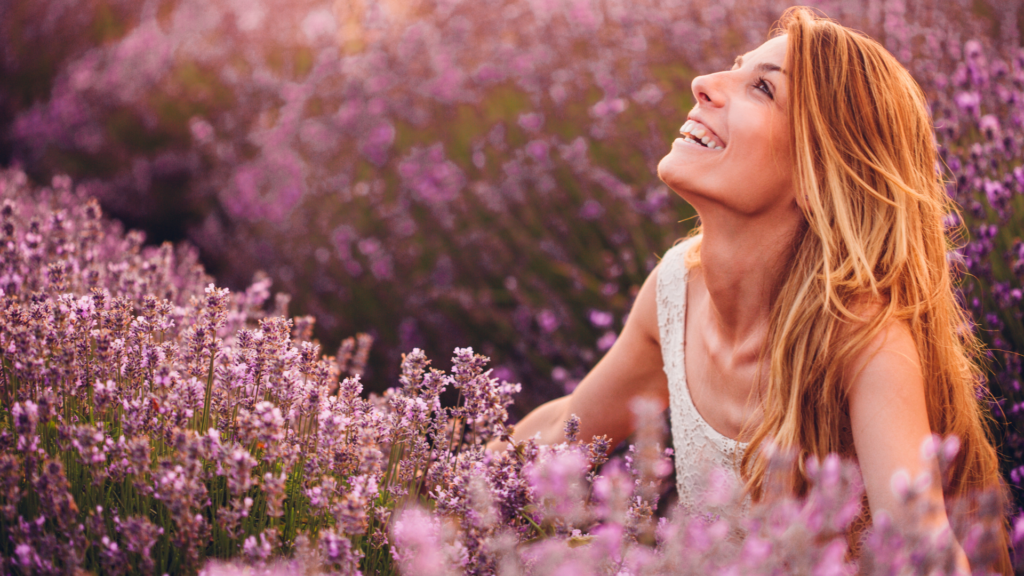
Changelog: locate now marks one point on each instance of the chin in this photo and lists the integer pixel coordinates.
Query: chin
(671, 171)
(675, 173)
(662, 165)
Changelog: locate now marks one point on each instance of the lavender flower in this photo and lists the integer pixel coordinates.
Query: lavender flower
(419, 544)
(206, 422)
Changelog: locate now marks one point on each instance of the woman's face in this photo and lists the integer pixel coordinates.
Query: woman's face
(746, 166)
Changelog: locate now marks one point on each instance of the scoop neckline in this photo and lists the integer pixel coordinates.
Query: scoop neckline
(686, 385)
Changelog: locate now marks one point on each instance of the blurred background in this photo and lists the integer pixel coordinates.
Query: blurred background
(442, 173)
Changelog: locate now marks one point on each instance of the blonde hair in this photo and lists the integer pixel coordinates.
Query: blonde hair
(872, 251)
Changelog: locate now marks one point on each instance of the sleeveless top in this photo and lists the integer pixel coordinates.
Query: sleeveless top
(699, 448)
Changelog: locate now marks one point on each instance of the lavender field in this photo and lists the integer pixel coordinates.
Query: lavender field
(273, 272)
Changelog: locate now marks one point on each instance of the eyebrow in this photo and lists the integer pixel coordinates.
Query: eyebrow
(763, 67)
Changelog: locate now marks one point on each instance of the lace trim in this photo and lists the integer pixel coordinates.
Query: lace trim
(698, 446)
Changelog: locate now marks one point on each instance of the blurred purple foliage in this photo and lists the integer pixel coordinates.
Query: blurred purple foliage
(444, 173)
(152, 422)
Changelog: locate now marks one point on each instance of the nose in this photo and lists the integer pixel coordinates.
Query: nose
(707, 89)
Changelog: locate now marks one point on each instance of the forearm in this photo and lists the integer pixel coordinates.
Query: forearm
(547, 419)
(931, 522)
(963, 567)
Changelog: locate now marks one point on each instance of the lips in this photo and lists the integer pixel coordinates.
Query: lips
(697, 132)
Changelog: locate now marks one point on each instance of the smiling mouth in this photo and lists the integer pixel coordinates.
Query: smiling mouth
(693, 133)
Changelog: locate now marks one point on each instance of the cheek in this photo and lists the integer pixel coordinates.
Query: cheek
(781, 157)
(769, 151)
(780, 139)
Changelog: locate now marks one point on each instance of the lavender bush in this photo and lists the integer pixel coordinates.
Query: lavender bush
(153, 422)
(435, 172)
(979, 111)
(436, 175)
(432, 173)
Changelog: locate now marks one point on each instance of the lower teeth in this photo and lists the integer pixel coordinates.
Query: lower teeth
(689, 138)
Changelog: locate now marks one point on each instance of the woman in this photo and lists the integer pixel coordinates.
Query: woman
(813, 307)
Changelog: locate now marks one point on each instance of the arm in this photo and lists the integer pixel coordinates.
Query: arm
(889, 418)
(631, 368)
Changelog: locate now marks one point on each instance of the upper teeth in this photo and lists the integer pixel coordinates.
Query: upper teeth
(696, 132)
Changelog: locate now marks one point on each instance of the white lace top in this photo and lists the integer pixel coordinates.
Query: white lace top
(698, 446)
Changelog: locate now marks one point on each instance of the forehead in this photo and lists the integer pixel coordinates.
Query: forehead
(772, 51)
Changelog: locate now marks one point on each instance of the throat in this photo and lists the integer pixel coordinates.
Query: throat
(734, 316)
(725, 385)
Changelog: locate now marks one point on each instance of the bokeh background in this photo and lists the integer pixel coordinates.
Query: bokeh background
(442, 173)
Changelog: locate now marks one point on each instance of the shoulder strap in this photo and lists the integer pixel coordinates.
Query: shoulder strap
(671, 301)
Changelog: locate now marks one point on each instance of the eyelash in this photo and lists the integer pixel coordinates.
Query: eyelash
(767, 89)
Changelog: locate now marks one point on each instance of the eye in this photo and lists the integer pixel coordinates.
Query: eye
(763, 86)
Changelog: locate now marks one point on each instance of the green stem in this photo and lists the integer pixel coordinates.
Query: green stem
(209, 394)
(540, 531)
(8, 393)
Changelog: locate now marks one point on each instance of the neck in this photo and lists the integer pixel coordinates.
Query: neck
(743, 261)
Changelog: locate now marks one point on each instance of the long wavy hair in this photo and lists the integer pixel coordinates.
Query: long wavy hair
(866, 165)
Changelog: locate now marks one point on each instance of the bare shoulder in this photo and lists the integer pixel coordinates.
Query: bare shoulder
(631, 368)
(887, 368)
(678, 265)
(644, 314)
